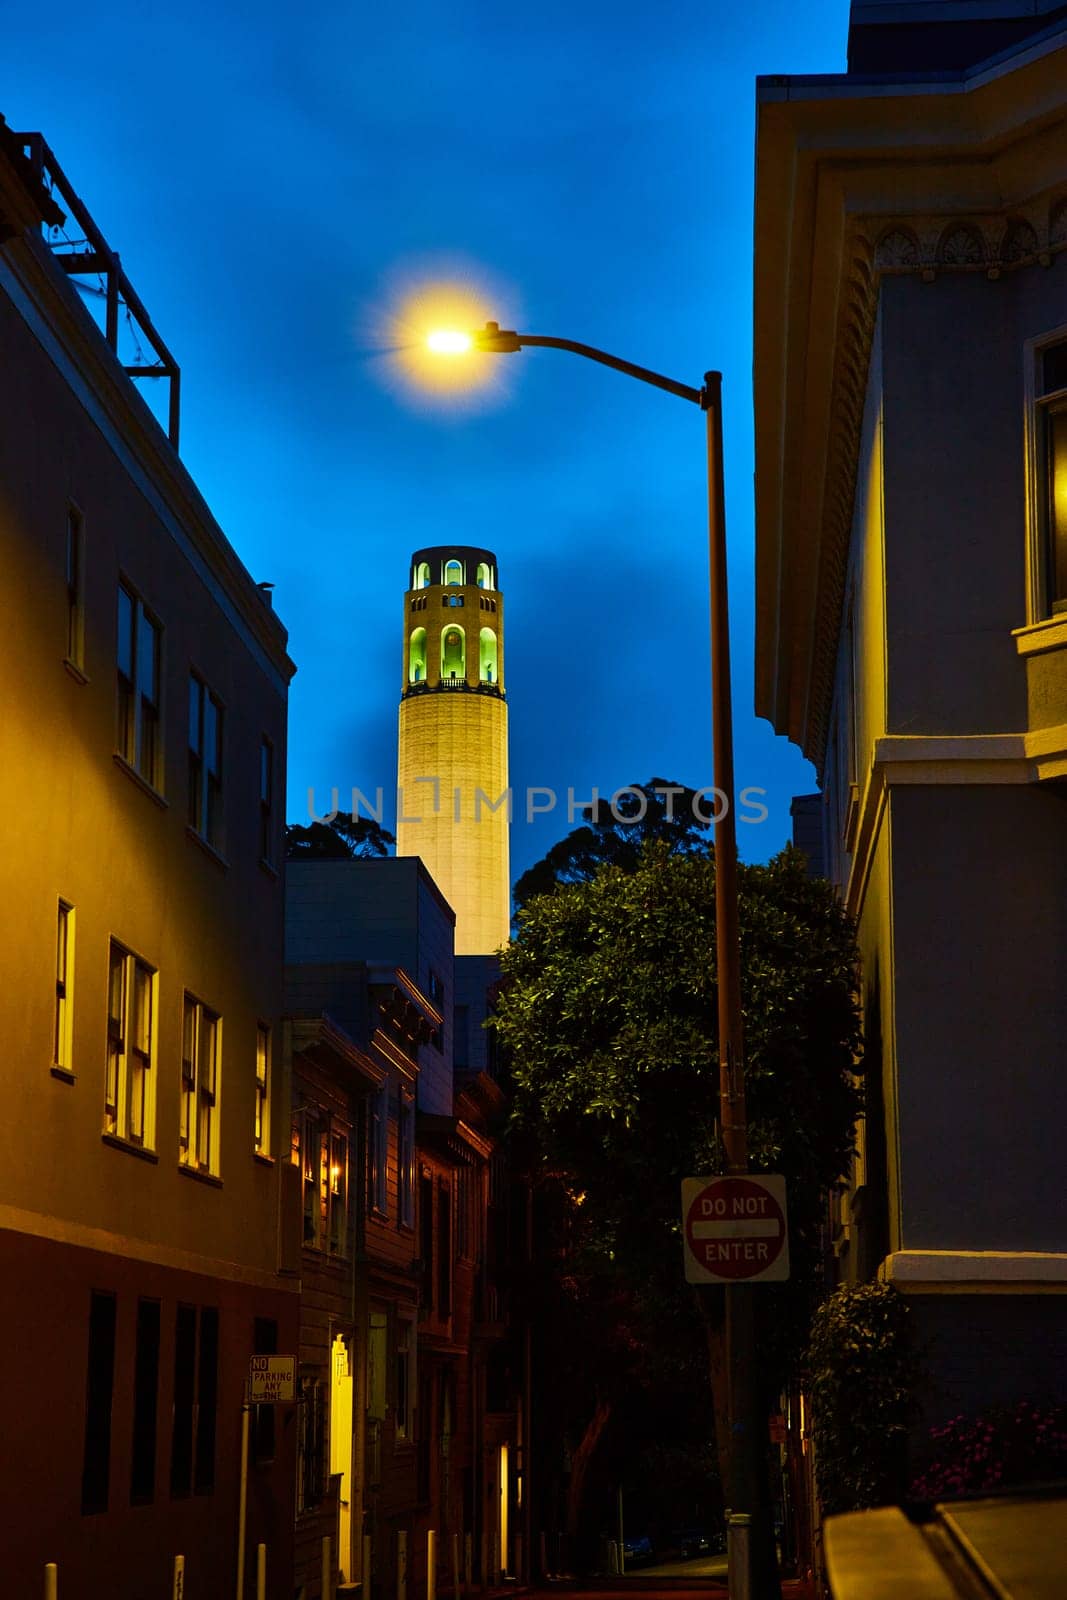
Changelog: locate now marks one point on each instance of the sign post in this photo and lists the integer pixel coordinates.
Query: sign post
(271, 1381)
(735, 1229)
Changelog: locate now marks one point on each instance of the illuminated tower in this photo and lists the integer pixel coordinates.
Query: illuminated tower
(453, 752)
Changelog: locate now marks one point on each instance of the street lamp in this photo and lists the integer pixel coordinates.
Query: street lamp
(740, 1342)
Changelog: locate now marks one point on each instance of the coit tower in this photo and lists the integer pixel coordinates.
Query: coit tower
(453, 750)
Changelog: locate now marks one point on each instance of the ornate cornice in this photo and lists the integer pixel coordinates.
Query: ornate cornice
(993, 243)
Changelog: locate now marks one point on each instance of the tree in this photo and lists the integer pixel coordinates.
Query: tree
(617, 831)
(607, 1010)
(343, 838)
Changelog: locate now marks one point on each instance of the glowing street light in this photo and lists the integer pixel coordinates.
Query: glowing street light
(449, 342)
(740, 1325)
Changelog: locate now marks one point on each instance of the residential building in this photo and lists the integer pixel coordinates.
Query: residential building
(433, 1355)
(911, 479)
(142, 748)
(452, 767)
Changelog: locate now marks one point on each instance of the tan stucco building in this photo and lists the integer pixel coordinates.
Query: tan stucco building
(911, 483)
(142, 760)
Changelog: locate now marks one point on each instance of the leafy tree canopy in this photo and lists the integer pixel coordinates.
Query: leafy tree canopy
(616, 831)
(343, 838)
(608, 1012)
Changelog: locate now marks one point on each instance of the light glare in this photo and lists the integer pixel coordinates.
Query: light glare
(449, 342)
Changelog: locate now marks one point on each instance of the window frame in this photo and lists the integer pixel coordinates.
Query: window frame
(261, 1128)
(1042, 606)
(63, 1022)
(405, 1159)
(405, 1376)
(75, 576)
(200, 1102)
(131, 721)
(266, 802)
(378, 1151)
(120, 1083)
(205, 813)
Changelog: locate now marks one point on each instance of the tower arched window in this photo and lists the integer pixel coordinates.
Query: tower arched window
(422, 576)
(453, 571)
(453, 653)
(487, 663)
(417, 656)
(484, 577)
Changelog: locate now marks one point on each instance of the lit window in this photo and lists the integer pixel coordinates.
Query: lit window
(62, 1033)
(266, 801)
(1051, 434)
(417, 656)
(484, 577)
(138, 686)
(205, 762)
(75, 587)
(487, 668)
(338, 1195)
(308, 1152)
(129, 1092)
(453, 572)
(198, 1140)
(263, 1089)
(422, 576)
(453, 658)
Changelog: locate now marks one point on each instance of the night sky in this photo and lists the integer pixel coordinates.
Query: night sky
(278, 179)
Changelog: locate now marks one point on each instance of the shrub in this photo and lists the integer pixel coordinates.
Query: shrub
(999, 1448)
(861, 1373)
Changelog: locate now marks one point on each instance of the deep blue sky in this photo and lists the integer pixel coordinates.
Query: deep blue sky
(271, 173)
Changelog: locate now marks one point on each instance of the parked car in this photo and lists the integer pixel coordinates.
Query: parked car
(638, 1547)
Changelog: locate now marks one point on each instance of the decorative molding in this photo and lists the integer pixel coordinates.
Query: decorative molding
(994, 242)
(976, 1271)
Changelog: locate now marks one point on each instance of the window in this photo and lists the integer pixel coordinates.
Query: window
(205, 762)
(99, 1388)
(405, 1374)
(311, 1444)
(487, 667)
(63, 1030)
(337, 1223)
(453, 572)
(138, 686)
(463, 1212)
(129, 1092)
(262, 1089)
(1051, 438)
(75, 588)
(453, 657)
(426, 1238)
(422, 576)
(405, 1159)
(196, 1384)
(266, 801)
(198, 1140)
(484, 575)
(145, 1405)
(444, 1250)
(417, 656)
(307, 1155)
(378, 1150)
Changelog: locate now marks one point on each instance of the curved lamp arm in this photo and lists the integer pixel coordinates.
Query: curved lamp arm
(504, 341)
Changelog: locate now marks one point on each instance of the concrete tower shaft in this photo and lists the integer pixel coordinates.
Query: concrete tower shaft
(453, 745)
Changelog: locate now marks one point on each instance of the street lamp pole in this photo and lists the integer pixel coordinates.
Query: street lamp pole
(740, 1322)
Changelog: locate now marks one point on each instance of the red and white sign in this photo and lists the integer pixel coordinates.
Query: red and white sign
(734, 1229)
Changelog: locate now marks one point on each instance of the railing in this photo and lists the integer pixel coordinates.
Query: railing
(423, 687)
(92, 256)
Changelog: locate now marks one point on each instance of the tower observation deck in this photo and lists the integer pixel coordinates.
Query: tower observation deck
(453, 746)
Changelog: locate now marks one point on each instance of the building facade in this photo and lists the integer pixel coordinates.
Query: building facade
(911, 397)
(452, 774)
(422, 1320)
(142, 751)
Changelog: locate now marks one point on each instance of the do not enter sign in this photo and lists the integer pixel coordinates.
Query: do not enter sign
(734, 1229)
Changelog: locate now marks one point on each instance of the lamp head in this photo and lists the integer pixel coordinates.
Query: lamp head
(498, 340)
